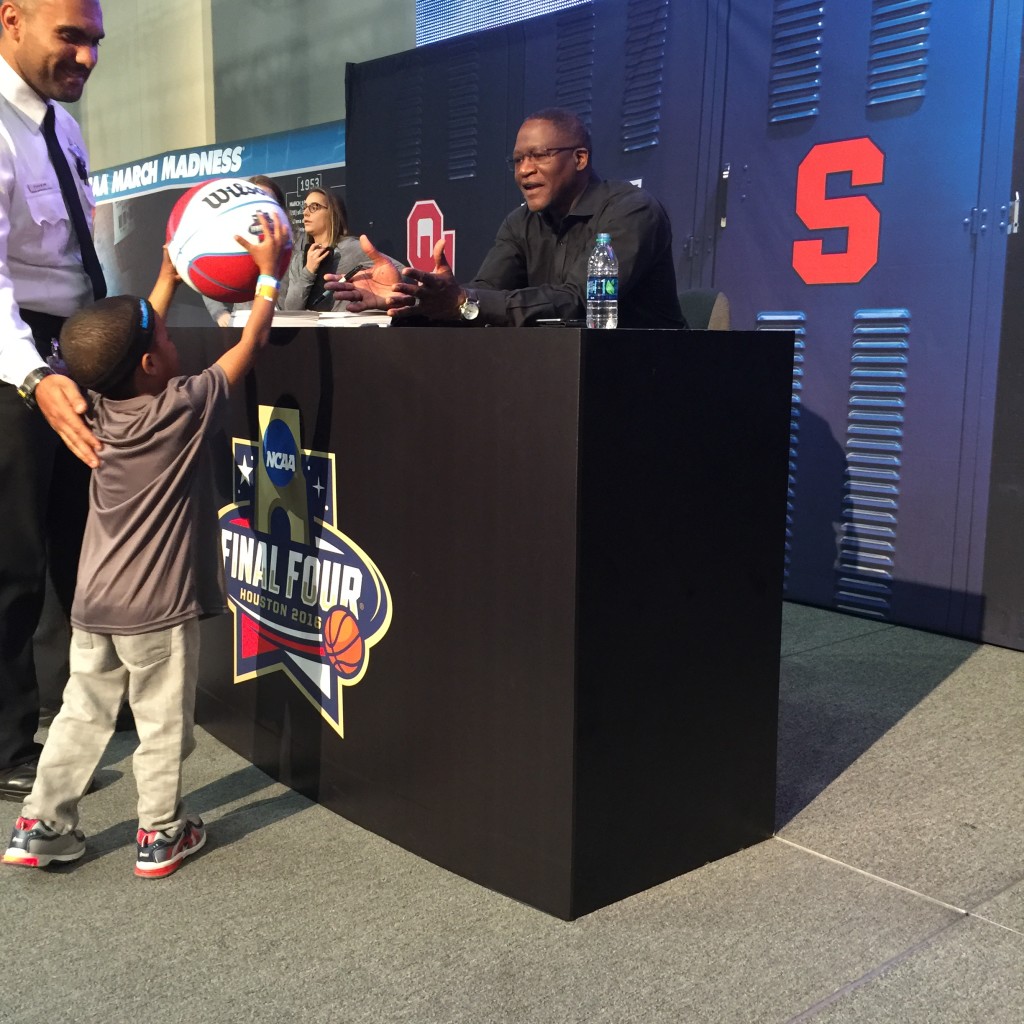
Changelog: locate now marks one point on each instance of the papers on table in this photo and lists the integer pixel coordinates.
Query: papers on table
(311, 318)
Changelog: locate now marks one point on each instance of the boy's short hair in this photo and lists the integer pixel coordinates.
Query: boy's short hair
(102, 344)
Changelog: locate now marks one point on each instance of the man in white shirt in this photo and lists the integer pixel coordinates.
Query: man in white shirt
(48, 49)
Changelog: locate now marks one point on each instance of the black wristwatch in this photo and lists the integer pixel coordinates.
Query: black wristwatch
(30, 383)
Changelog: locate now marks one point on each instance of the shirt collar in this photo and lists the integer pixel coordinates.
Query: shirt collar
(21, 95)
(584, 208)
(586, 205)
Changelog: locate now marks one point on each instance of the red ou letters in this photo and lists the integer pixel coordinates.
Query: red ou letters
(424, 227)
(865, 163)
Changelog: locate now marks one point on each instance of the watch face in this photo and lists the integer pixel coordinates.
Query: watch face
(469, 310)
(28, 386)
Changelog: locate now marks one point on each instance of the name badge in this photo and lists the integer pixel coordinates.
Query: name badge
(80, 163)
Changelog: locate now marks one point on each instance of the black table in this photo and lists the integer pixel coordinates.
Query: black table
(580, 538)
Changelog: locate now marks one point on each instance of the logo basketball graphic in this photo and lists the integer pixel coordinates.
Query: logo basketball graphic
(342, 642)
(306, 599)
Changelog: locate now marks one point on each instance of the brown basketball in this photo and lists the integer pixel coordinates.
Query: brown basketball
(342, 642)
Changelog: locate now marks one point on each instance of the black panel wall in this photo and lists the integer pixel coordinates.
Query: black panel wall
(451, 112)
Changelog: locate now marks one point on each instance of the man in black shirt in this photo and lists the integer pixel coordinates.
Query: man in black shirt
(537, 268)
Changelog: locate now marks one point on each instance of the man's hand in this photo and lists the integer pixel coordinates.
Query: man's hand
(63, 405)
(435, 295)
(371, 288)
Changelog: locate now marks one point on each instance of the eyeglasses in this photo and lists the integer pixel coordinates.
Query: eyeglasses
(537, 156)
(313, 207)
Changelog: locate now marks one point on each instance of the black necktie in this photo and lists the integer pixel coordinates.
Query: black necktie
(90, 261)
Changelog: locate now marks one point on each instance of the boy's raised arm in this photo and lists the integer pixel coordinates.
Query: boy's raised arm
(167, 281)
(237, 361)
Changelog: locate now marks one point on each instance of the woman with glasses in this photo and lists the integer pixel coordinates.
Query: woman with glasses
(327, 248)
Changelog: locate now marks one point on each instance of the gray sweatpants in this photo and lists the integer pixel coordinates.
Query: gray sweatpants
(158, 672)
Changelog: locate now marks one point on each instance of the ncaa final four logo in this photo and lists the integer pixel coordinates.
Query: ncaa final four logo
(305, 598)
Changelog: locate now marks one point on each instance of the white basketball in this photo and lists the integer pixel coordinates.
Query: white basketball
(201, 237)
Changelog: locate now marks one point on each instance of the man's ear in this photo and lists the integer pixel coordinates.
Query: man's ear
(10, 20)
(582, 159)
(147, 364)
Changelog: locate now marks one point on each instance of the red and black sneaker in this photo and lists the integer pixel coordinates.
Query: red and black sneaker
(35, 845)
(161, 853)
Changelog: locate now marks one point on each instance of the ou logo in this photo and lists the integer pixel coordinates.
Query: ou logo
(424, 227)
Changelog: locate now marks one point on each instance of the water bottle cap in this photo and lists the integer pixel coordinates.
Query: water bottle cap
(604, 238)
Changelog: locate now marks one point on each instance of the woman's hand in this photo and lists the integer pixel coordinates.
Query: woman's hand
(316, 254)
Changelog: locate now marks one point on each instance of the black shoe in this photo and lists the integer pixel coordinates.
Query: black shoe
(16, 783)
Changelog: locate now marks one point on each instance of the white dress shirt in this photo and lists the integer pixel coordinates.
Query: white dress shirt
(40, 262)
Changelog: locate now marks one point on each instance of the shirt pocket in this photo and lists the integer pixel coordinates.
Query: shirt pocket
(47, 209)
(53, 225)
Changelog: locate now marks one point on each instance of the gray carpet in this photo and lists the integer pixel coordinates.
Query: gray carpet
(894, 891)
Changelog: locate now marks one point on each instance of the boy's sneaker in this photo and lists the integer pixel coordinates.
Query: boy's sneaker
(34, 844)
(161, 853)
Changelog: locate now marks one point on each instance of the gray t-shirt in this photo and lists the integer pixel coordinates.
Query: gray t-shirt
(150, 510)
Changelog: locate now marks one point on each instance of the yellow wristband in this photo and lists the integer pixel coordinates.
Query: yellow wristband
(265, 291)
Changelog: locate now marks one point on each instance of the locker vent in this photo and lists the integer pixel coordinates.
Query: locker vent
(463, 112)
(794, 89)
(574, 62)
(409, 132)
(790, 321)
(898, 64)
(646, 37)
(874, 458)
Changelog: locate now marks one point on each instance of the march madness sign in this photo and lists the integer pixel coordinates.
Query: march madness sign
(305, 598)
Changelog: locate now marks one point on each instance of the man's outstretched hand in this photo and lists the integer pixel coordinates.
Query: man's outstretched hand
(435, 294)
(370, 288)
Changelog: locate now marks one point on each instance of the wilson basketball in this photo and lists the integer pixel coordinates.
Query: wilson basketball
(342, 642)
(201, 237)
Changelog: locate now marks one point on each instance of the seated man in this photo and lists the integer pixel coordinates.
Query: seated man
(537, 268)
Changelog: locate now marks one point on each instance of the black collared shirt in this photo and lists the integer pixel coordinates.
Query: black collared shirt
(537, 269)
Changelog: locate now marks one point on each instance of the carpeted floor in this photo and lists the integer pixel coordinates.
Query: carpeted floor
(893, 892)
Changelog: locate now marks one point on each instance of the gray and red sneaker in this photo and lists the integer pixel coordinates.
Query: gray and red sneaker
(161, 853)
(34, 844)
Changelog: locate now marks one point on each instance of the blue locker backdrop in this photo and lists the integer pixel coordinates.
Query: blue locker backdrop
(1004, 578)
(895, 114)
(840, 169)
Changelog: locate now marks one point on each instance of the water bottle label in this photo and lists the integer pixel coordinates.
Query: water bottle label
(595, 288)
(611, 288)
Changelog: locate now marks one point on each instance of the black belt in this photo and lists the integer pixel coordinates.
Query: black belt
(45, 328)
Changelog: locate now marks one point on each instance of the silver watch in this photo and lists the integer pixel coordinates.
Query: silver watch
(27, 390)
(470, 309)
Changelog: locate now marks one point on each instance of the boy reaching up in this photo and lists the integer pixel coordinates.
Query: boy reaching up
(137, 604)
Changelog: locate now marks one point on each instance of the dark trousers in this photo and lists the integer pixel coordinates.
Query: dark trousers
(44, 499)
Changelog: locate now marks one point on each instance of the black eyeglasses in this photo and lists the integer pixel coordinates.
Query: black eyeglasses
(537, 156)
(312, 207)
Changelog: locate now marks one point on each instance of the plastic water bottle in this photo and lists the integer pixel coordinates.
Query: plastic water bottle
(603, 284)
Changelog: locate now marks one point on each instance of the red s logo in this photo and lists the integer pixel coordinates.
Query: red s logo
(865, 163)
